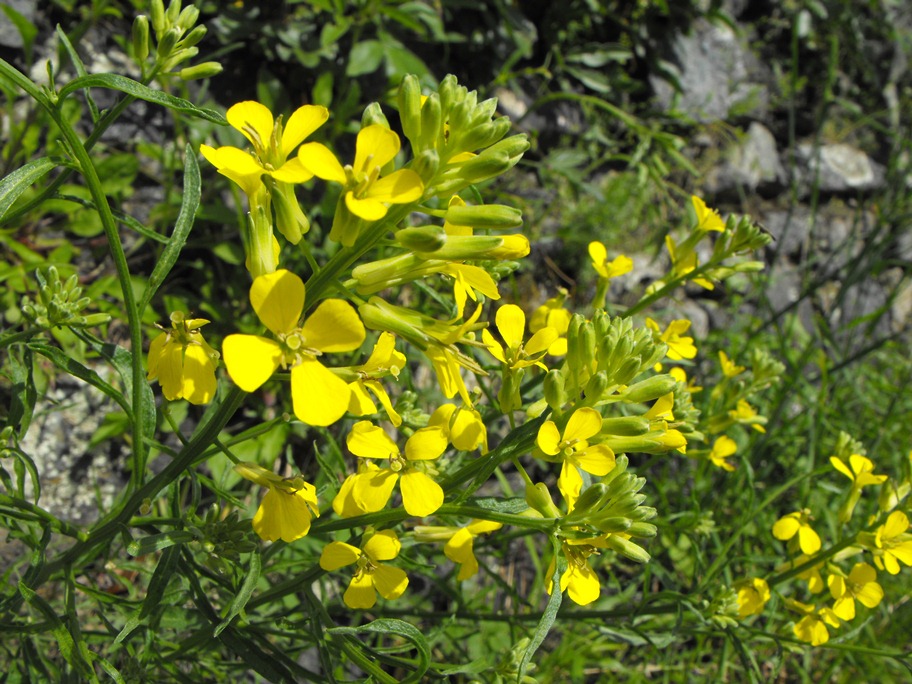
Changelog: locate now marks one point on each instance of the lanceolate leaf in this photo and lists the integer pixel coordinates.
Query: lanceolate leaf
(21, 179)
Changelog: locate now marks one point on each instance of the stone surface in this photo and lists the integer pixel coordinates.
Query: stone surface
(714, 69)
(9, 34)
(751, 165)
(837, 168)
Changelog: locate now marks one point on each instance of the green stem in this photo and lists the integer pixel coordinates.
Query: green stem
(20, 336)
(667, 288)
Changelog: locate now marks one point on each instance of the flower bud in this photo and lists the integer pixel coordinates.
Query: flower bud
(157, 11)
(431, 137)
(425, 165)
(290, 219)
(497, 216)
(410, 108)
(141, 38)
(642, 530)
(596, 387)
(167, 41)
(173, 12)
(479, 247)
(650, 388)
(194, 37)
(554, 391)
(625, 425)
(539, 498)
(373, 114)
(627, 548)
(421, 238)
(187, 18)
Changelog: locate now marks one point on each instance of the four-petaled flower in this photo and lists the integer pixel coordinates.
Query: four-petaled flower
(722, 448)
(463, 426)
(860, 470)
(370, 491)
(752, 596)
(511, 323)
(745, 414)
(371, 575)
(552, 314)
(618, 266)
(579, 579)
(384, 360)
(812, 628)
(707, 218)
(287, 507)
(319, 396)
(574, 452)
(679, 346)
(798, 523)
(729, 368)
(182, 362)
(893, 543)
(861, 584)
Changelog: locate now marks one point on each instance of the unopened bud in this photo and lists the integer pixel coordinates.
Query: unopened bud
(194, 37)
(627, 548)
(173, 12)
(422, 238)
(187, 18)
(373, 115)
(625, 425)
(410, 108)
(596, 387)
(642, 530)
(555, 393)
(650, 388)
(432, 133)
(497, 216)
(157, 11)
(539, 498)
(167, 41)
(425, 165)
(141, 38)
(290, 219)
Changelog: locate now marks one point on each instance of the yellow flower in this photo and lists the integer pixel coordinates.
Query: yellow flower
(860, 470)
(679, 346)
(722, 448)
(861, 584)
(579, 579)
(729, 368)
(319, 396)
(573, 451)
(752, 596)
(684, 262)
(287, 507)
(459, 548)
(608, 269)
(371, 575)
(383, 361)
(511, 323)
(366, 193)
(707, 219)
(893, 543)
(371, 490)
(182, 362)
(463, 426)
(745, 414)
(552, 314)
(680, 375)
(466, 280)
(812, 627)
(812, 574)
(798, 523)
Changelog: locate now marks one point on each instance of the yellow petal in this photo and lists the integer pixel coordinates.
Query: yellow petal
(599, 256)
(426, 444)
(597, 460)
(383, 546)
(256, 116)
(570, 483)
(477, 527)
(583, 424)
(368, 209)
(376, 145)
(786, 527)
(497, 351)
(198, 384)
(379, 392)
(334, 327)
(808, 540)
(582, 584)
(278, 299)
(459, 548)
(319, 396)
(292, 171)
(232, 159)
(282, 515)
(399, 187)
(337, 555)
(707, 219)
(541, 341)
(370, 441)
(250, 360)
(390, 582)
(549, 438)
(344, 503)
(303, 121)
(170, 370)
(360, 402)
(321, 162)
(156, 348)
(372, 490)
(421, 496)
(511, 322)
(360, 594)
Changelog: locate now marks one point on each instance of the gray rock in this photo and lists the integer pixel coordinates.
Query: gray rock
(9, 34)
(714, 69)
(901, 309)
(790, 230)
(837, 168)
(750, 165)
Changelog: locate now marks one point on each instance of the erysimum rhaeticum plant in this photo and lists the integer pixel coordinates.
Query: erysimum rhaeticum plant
(369, 353)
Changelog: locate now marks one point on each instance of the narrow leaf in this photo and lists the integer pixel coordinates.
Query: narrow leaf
(64, 639)
(157, 542)
(244, 594)
(550, 614)
(80, 70)
(21, 179)
(76, 369)
(401, 628)
(189, 205)
(141, 92)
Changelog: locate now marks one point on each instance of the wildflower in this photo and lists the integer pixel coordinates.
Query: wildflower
(797, 523)
(860, 470)
(511, 324)
(753, 595)
(660, 415)
(729, 368)
(319, 396)
(860, 584)
(679, 346)
(746, 414)
(459, 543)
(466, 280)
(722, 448)
(579, 579)
(371, 491)
(811, 575)
(182, 362)
(680, 375)
(608, 269)
(684, 261)
(372, 576)
(707, 219)
(812, 628)
(463, 426)
(366, 194)
(287, 507)
(892, 543)
(552, 314)
(573, 451)
(383, 361)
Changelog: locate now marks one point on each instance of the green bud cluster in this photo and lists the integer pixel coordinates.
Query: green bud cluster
(60, 303)
(176, 37)
(223, 538)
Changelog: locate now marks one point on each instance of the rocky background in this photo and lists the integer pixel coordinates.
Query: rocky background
(793, 115)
